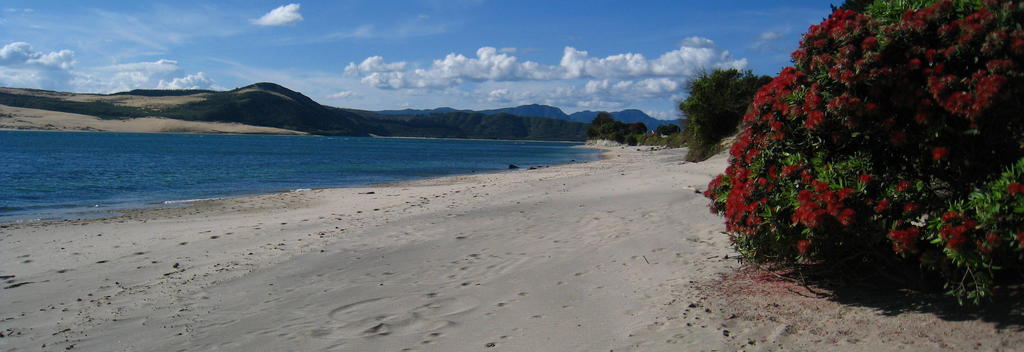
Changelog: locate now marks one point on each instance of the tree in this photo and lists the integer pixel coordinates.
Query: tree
(667, 129)
(854, 5)
(892, 148)
(602, 118)
(636, 128)
(716, 104)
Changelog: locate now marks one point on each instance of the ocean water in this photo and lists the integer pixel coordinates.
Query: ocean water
(62, 175)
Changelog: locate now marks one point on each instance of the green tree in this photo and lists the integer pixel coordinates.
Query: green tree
(666, 130)
(854, 5)
(716, 104)
(637, 128)
(891, 10)
(602, 118)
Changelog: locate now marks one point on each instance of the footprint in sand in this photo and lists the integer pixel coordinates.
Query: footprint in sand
(397, 316)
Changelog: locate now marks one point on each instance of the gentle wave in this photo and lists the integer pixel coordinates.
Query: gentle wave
(54, 174)
(189, 200)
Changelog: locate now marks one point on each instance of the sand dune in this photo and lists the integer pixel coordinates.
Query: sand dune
(614, 255)
(35, 119)
(138, 101)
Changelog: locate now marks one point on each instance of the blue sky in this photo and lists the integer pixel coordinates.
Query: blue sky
(379, 54)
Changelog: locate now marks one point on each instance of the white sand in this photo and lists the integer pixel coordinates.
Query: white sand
(614, 255)
(34, 119)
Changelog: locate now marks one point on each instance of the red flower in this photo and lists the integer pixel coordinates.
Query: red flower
(914, 64)
(902, 186)
(904, 240)
(802, 246)
(992, 240)
(939, 153)
(847, 216)
(789, 169)
(844, 193)
(922, 117)
(1017, 47)
(868, 43)
(950, 216)
(882, 205)
(955, 241)
(820, 186)
(1015, 189)
(910, 207)
(864, 178)
(814, 118)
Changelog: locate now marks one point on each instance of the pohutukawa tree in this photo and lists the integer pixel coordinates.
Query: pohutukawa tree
(891, 147)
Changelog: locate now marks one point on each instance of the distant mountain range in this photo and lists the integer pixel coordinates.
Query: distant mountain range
(627, 116)
(271, 105)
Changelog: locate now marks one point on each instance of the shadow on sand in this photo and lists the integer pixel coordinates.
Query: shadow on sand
(1005, 310)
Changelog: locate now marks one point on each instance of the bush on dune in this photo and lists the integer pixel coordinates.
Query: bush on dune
(605, 127)
(893, 147)
(715, 106)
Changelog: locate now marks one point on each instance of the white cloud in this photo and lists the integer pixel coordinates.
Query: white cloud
(768, 41)
(193, 81)
(124, 77)
(490, 64)
(282, 15)
(373, 64)
(769, 35)
(22, 66)
(496, 77)
(21, 54)
(342, 94)
(697, 42)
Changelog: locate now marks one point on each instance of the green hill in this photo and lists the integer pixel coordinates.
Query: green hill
(271, 105)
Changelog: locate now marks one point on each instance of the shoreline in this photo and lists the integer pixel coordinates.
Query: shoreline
(477, 139)
(615, 254)
(112, 208)
(292, 133)
(214, 133)
(116, 211)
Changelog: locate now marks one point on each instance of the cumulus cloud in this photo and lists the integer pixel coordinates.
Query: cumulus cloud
(193, 81)
(373, 64)
(21, 54)
(578, 79)
(126, 76)
(282, 15)
(668, 71)
(23, 66)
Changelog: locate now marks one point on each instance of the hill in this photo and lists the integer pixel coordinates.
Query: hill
(627, 116)
(271, 105)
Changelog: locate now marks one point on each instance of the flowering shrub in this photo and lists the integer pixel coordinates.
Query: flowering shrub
(881, 149)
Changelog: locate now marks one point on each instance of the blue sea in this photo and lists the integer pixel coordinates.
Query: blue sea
(63, 175)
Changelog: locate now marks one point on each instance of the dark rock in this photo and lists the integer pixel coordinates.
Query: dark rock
(512, 166)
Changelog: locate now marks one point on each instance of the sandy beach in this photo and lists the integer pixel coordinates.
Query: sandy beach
(15, 118)
(619, 254)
